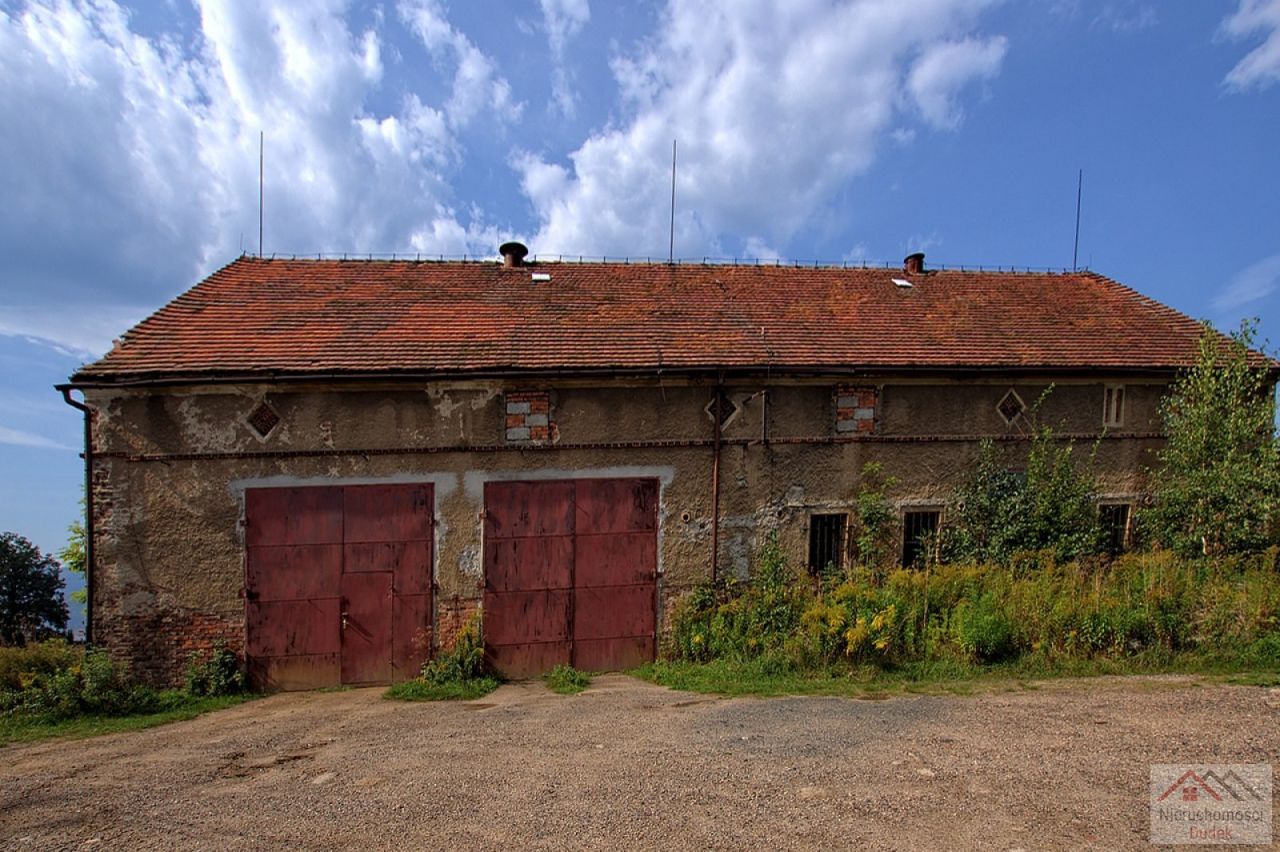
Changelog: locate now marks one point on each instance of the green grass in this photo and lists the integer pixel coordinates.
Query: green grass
(18, 729)
(457, 690)
(757, 678)
(566, 680)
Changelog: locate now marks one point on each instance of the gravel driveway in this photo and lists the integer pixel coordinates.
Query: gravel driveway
(627, 764)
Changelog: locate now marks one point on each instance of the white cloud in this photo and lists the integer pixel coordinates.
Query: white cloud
(70, 329)
(858, 254)
(19, 438)
(562, 20)
(775, 105)
(758, 249)
(1261, 66)
(923, 242)
(134, 167)
(903, 135)
(477, 85)
(946, 67)
(1252, 284)
(1126, 17)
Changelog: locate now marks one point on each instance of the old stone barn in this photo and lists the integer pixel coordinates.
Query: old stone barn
(329, 465)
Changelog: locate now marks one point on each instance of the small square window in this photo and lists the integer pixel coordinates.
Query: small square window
(1114, 518)
(919, 535)
(1113, 405)
(827, 542)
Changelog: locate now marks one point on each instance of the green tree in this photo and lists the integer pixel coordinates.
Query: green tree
(1217, 487)
(74, 558)
(1059, 506)
(1053, 506)
(983, 518)
(31, 600)
(874, 538)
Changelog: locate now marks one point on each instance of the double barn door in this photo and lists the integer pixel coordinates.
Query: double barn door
(337, 584)
(570, 574)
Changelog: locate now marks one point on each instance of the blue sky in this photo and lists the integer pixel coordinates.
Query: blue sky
(808, 129)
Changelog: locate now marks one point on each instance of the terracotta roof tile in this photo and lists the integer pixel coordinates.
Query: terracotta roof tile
(259, 316)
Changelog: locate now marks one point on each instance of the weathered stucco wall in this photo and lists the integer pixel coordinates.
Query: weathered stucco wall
(173, 464)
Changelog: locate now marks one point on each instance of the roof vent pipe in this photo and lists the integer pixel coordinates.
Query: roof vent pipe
(513, 254)
(913, 264)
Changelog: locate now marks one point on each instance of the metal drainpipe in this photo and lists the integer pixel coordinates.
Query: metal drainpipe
(88, 508)
(715, 493)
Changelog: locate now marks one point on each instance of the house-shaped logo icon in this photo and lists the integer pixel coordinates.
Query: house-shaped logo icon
(1199, 804)
(1211, 786)
(1192, 786)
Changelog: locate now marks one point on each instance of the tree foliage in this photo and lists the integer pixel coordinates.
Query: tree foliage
(75, 557)
(1217, 487)
(875, 519)
(32, 605)
(999, 512)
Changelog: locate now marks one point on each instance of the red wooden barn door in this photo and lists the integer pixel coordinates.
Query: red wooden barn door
(338, 584)
(528, 561)
(293, 572)
(615, 567)
(570, 574)
(386, 581)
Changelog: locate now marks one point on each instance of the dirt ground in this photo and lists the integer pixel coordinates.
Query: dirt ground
(627, 764)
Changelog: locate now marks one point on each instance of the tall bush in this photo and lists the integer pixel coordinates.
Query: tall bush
(997, 513)
(1217, 486)
(875, 522)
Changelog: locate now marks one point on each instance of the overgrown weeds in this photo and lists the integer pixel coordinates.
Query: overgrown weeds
(566, 680)
(218, 674)
(419, 689)
(1148, 611)
(457, 675)
(53, 688)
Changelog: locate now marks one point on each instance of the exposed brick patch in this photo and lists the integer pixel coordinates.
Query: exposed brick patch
(157, 646)
(453, 615)
(856, 409)
(154, 641)
(529, 417)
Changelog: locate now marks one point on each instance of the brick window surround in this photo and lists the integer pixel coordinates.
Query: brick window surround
(856, 409)
(528, 417)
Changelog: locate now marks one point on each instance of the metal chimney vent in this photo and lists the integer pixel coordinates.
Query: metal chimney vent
(513, 253)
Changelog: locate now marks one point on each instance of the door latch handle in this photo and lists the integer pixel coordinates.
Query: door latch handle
(344, 620)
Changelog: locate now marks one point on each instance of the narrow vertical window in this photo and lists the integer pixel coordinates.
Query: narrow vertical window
(1113, 405)
(826, 542)
(919, 535)
(1114, 518)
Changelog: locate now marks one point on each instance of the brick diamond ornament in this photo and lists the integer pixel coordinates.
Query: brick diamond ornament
(728, 408)
(1011, 407)
(264, 419)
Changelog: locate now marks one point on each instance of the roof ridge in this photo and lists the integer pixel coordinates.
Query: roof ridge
(255, 316)
(649, 260)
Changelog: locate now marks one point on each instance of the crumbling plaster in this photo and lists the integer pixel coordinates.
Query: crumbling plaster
(170, 534)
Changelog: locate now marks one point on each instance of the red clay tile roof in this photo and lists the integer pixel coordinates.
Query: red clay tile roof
(286, 317)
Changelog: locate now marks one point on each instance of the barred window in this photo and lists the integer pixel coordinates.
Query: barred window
(1114, 518)
(827, 542)
(919, 532)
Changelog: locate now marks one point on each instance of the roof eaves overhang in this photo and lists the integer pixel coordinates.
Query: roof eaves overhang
(83, 380)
